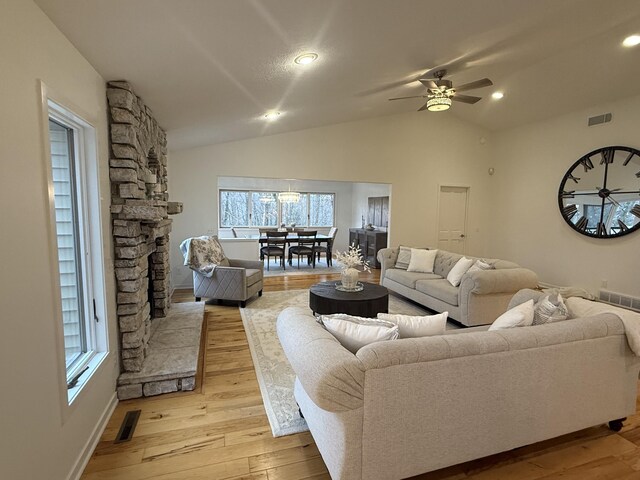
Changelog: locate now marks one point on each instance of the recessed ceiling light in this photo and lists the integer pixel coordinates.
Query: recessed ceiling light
(271, 116)
(631, 41)
(306, 58)
(497, 95)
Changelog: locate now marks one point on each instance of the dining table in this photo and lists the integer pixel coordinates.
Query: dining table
(291, 238)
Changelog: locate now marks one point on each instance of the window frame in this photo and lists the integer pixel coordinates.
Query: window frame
(78, 186)
(89, 209)
(279, 208)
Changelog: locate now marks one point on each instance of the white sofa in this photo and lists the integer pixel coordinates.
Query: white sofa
(400, 408)
(479, 299)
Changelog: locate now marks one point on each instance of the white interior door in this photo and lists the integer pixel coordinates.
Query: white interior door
(452, 218)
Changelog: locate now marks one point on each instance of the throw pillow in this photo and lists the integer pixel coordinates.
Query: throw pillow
(480, 265)
(356, 332)
(520, 316)
(550, 308)
(458, 270)
(404, 257)
(410, 326)
(422, 260)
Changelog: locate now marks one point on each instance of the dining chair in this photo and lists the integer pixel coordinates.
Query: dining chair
(306, 246)
(328, 250)
(275, 247)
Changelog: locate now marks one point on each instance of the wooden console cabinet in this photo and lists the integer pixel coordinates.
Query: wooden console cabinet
(370, 242)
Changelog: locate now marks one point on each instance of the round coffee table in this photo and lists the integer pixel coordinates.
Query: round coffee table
(325, 299)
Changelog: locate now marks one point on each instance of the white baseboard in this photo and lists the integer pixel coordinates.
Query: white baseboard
(94, 438)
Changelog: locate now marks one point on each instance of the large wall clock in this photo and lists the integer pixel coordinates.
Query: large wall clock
(600, 194)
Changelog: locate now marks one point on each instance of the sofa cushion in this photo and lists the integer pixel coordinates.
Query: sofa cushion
(520, 316)
(445, 261)
(253, 276)
(409, 279)
(404, 257)
(440, 289)
(480, 265)
(458, 270)
(550, 308)
(422, 260)
(412, 326)
(356, 332)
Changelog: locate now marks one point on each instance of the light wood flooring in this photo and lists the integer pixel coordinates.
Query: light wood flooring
(221, 431)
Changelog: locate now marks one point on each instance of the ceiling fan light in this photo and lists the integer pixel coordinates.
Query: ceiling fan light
(438, 104)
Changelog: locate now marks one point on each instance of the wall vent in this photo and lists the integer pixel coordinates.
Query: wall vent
(598, 119)
(620, 300)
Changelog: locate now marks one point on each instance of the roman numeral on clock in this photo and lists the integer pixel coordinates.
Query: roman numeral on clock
(628, 159)
(636, 211)
(607, 156)
(582, 224)
(622, 225)
(586, 163)
(576, 179)
(569, 194)
(601, 230)
(570, 210)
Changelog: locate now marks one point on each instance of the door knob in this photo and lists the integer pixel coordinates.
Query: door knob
(462, 235)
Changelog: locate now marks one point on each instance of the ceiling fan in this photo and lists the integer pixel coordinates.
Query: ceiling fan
(441, 92)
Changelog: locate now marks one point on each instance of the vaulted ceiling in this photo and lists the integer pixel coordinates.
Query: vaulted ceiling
(211, 69)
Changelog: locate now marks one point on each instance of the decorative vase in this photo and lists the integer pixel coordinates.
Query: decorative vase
(350, 278)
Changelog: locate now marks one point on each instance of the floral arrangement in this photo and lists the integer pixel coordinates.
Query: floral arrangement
(352, 258)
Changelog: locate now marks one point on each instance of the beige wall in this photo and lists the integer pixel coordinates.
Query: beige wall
(413, 152)
(530, 163)
(36, 443)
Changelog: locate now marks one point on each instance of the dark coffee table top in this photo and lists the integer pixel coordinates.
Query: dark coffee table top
(371, 291)
(325, 299)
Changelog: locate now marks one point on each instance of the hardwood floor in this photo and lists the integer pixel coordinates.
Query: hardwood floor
(221, 430)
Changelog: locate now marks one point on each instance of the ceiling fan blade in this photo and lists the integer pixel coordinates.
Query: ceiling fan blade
(485, 82)
(427, 82)
(423, 107)
(403, 98)
(466, 98)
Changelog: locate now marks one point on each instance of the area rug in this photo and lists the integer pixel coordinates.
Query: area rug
(274, 373)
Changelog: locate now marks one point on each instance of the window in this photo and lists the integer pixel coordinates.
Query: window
(64, 171)
(264, 209)
(73, 180)
(296, 213)
(321, 209)
(234, 208)
(240, 208)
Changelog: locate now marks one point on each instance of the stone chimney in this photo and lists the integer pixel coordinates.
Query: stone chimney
(140, 212)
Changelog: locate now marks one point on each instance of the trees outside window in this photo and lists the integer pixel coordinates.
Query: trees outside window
(242, 208)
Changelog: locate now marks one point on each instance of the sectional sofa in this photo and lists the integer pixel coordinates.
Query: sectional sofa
(481, 297)
(403, 407)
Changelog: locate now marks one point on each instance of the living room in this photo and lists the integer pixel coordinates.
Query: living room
(558, 64)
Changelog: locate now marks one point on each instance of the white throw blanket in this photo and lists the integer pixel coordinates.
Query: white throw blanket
(580, 307)
(203, 254)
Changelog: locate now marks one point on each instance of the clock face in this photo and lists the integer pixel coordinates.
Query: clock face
(600, 194)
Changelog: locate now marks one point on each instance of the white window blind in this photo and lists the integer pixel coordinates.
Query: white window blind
(68, 240)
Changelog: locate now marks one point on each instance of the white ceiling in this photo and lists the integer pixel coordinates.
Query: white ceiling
(210, 69)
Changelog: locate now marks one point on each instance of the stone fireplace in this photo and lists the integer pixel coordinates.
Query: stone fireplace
(140, 212)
